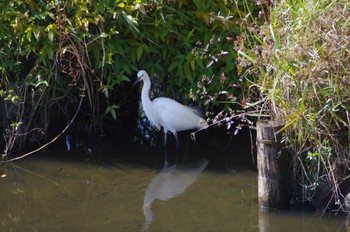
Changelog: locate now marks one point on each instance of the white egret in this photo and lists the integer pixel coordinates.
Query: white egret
(167, 113)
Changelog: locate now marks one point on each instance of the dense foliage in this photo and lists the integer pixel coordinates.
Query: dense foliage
(54, 52)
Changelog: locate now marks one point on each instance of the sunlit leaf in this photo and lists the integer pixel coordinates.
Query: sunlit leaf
(193, 64)
(210, 63)
(251, 59)
(41, 83)
(121, 5)
(104, 35)
(131, 22)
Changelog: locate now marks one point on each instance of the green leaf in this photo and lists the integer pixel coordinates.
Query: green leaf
(173, 66)
(115, 107)
(122, 78)
(188, 73)
(251, 59)
(131, 22)
(114, 114)
(16, 124)
(121, 5)
(41, 83)
(105, 92)
(112, 111)
(193, 64)
(139, 53)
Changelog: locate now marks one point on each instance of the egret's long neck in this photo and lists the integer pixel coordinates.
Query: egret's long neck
(145, 91)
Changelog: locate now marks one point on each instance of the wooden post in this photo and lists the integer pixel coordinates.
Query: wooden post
(271, 165)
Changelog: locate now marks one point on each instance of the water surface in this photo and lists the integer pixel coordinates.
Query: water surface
(45, 194)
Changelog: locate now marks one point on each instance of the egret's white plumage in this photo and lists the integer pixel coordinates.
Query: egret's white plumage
(167, 113)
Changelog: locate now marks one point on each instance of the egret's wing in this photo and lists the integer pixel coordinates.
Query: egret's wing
(198, 110)
(175, 116)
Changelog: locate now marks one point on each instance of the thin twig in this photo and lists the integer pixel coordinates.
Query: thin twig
(48, 143)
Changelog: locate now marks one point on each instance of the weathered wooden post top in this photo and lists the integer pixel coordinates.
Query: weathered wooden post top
(272, 191)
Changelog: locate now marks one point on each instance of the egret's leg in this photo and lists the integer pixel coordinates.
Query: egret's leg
(165, 137)
(166, 162)
(177, 141)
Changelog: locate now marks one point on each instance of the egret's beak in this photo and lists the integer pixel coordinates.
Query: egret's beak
(137, 80)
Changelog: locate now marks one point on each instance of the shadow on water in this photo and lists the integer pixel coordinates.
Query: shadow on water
(137, 189)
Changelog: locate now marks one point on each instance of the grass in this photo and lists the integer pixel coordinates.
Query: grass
(301, 66)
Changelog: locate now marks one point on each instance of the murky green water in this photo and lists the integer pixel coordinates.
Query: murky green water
(44, 194)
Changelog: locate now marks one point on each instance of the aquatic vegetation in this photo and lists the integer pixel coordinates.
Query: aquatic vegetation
(298, 58)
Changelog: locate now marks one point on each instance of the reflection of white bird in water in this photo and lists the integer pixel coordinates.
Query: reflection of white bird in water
(168, 184)
(166, 112)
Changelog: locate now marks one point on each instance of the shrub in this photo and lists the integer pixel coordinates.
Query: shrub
(301, 60)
